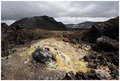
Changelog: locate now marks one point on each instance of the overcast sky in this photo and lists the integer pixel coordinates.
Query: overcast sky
(64, 11)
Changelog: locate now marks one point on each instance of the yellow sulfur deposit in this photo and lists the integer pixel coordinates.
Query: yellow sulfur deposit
(67, 55)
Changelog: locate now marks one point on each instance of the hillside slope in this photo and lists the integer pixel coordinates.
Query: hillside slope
(42, 22)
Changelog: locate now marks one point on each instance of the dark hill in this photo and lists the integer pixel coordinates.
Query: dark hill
(42, 22)
(85, 24)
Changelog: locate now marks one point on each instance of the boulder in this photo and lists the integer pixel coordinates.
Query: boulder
(44, 56)
(69, 76)
(102, 74)
(108, 44)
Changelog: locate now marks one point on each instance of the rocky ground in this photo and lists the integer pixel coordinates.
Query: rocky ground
(43, 57)
(37, 54)
(104, 39)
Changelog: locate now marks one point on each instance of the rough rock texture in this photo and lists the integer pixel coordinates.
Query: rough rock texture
(57, 53)
(90, 75)
(103, 74)
(108, 28)
(103, 59)
(44, 56)
(20, 35)
(104, 66)
(4, 28)
(93, 74)
(109, 60)
(42, 22)
(106, 43)
(69, 76)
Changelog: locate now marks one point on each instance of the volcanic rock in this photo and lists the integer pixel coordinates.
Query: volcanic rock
(44, 56)
(90, 75)
(114, 71)
(106, 43)
(20, 35)
(93, 74)
(108, 28)
(103, 74)
(4, 27)
(69, 76)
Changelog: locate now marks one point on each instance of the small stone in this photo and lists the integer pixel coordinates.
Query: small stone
(47, 49)
(57, 75)
(85, 58)
(54, 75)
(79, 75)
(91, 64)
(55, 48)
(46, 78)
(7, 57)
(29, 64)
(2, 75)
(59, 78)
(108, 63)
(70, 76)
(51, 78)
(25, 62)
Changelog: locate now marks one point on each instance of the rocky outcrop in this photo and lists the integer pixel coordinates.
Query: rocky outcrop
(44, 56)
(4, 28)
(104, 36)
(20, 35)
(108, 28)
(109, 72)
(103, 59)
(42, 22)
(93, 74)
(106, 43)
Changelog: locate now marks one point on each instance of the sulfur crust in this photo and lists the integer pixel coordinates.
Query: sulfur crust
(71, 55)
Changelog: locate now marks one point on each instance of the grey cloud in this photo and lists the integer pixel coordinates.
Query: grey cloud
(20, 9)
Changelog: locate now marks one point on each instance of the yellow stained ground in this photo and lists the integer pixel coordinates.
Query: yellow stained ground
(71, 53)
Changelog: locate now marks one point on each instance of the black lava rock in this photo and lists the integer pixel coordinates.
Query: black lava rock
(69, 76)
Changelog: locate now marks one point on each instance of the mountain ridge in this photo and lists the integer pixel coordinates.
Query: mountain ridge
(85, 24)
